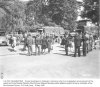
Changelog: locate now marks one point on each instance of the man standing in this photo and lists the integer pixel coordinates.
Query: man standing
(43, 44)
(30, 43)
(66, 44)
(91, 41)
(37, 44)
(25, 42)
(84, 44)
(14, 43)
(49, 41)
(77, 41)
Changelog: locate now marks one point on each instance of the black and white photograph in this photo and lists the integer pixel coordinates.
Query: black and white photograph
(49, 39)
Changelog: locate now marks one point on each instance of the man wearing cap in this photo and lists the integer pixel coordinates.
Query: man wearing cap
(77, 41)
(66, 43)
(37, 44)
(84, 44)
(25, 42)
(30, 43)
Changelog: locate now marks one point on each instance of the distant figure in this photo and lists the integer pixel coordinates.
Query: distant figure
(63, 41)
(94, 41)
(51, 38)
(49, 42)
(30, 43)
(18, 40)
(43, 44)
(84, 44)
(37, 44)
(13, 42)
(77, 42)
(25, 42)
(87, 44)
(90, 42)
(66, 44)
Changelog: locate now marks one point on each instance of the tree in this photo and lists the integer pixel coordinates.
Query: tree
(91, 10)
(60, 12)
(33, 10)
(14, 16)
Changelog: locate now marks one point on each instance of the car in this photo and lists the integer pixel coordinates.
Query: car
(3, 39)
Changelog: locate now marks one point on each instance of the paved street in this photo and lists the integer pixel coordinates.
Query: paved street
(54, 65)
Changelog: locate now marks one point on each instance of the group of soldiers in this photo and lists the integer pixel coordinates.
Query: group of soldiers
(42, 42)
(80, 40)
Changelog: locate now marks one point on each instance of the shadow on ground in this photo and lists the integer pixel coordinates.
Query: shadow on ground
(7, 54)
(72, 55)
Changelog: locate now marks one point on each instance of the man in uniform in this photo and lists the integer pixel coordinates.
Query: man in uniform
(66, 43)
(49, 42)
(77, 42)
(91, 42)
(84, 44)
(37, 44)
(43, 44)
(30, 43)
(25, 42)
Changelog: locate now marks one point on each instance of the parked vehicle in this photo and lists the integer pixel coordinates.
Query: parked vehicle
(3, 39)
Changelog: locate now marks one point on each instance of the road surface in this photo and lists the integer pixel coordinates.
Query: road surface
(56, 65)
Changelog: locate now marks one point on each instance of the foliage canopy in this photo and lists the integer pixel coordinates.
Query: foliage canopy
(91, 10)
(35, 12)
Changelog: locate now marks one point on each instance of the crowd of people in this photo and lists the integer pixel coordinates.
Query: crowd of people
(83, 43)
(80, 42)
(41, 42)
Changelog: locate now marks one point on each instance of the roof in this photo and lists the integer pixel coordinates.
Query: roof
(54, 30)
